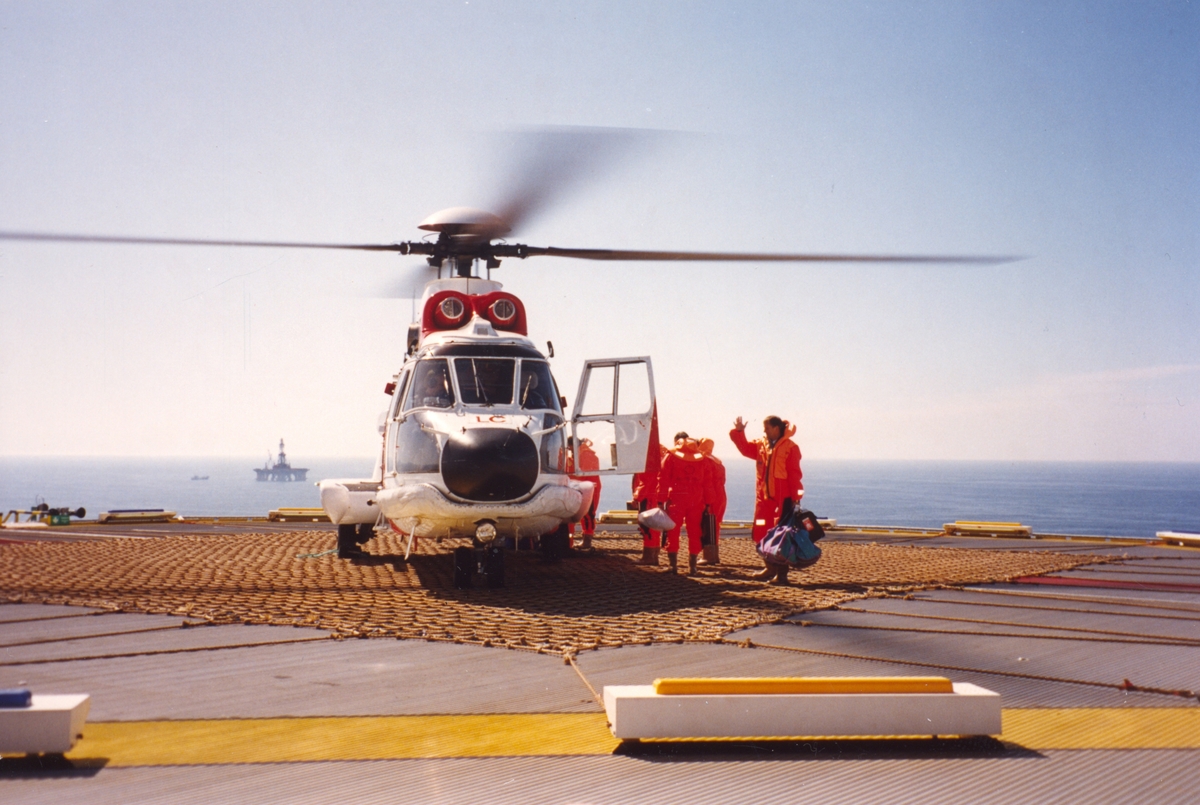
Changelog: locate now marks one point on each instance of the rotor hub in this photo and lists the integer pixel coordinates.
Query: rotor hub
(468, 222)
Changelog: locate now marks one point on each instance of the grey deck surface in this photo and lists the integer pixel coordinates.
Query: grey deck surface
(253, 671)
(324, 678)
(1059, 776)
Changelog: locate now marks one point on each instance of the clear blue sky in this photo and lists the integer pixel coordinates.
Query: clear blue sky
(1063, 131)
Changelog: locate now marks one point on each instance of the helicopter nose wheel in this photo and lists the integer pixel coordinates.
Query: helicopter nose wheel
(488, 561)
(557, 544)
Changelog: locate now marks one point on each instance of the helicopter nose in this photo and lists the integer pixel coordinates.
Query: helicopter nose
(490, 464)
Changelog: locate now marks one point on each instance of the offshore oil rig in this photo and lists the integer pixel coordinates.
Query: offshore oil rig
(280, 470)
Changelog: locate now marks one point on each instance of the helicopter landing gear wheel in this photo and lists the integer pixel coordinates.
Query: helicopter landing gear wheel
(347, 541)
(556, 544)
(464, 567)
(493, 567)
(365, 532)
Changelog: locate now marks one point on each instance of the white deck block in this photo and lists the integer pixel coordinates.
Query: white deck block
(52, 723)
(636, 711)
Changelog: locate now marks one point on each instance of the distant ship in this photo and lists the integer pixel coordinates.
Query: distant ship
(281, 470)
(199, 477)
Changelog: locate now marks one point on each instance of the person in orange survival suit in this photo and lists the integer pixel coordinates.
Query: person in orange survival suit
(717, 502)
(684, 482)
(588, 460)
(778, 486)
(645, 491)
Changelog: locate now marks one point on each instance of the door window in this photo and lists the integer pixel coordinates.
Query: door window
(615, 412)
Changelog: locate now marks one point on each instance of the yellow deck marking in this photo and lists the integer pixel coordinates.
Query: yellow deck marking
(280, 740)
(283, 740)
(1104, 728)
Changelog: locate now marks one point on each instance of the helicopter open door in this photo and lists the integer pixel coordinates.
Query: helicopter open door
(613, 414)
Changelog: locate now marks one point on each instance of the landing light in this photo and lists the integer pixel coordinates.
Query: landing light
(485, 532)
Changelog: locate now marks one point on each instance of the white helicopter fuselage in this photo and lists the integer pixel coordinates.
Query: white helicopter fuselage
(474, 440)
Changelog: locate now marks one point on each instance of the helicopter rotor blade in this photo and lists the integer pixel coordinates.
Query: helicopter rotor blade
(749, 257)
(549, 163)
(56, 237)
(522, 251)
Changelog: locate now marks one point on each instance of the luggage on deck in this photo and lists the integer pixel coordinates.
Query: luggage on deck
(791, 542)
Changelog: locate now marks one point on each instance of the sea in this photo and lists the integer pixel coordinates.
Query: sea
(1085, 498)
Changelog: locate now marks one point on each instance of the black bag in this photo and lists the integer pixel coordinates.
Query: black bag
(708, 528)
(804, 519)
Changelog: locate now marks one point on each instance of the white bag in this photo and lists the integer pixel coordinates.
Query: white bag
(656, 520)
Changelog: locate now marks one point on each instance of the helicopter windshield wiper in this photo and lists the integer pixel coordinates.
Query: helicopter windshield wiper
(480, 391)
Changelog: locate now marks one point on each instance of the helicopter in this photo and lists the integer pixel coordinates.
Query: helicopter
(475, 441)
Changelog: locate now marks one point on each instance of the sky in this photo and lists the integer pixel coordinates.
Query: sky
(1065, 132)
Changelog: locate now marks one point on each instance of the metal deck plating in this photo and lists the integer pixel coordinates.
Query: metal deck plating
(1097, 674)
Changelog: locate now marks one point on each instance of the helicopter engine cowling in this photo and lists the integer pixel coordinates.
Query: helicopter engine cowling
(450, 309)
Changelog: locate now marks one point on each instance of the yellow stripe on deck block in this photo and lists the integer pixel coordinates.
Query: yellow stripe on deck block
(1104, 728)
(732, 686)
(281, 740)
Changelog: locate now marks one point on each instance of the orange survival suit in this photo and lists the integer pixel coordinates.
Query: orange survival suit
(588, 460)
(777, 476)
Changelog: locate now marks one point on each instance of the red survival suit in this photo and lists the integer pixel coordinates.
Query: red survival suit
(778, 476)
(685, 483)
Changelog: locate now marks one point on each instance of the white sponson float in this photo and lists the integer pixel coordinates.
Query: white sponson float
(38, 724)
(787, 707)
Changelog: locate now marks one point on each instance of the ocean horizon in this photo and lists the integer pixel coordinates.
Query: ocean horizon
(1100, 498)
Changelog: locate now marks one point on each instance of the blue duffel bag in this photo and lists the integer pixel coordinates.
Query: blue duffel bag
(791, 542)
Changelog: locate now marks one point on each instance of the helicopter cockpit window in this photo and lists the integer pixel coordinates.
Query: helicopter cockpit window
(536, 389)
(400, 392)
(431, 385)
(553, 451)
(416, 449)
(485, 381)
